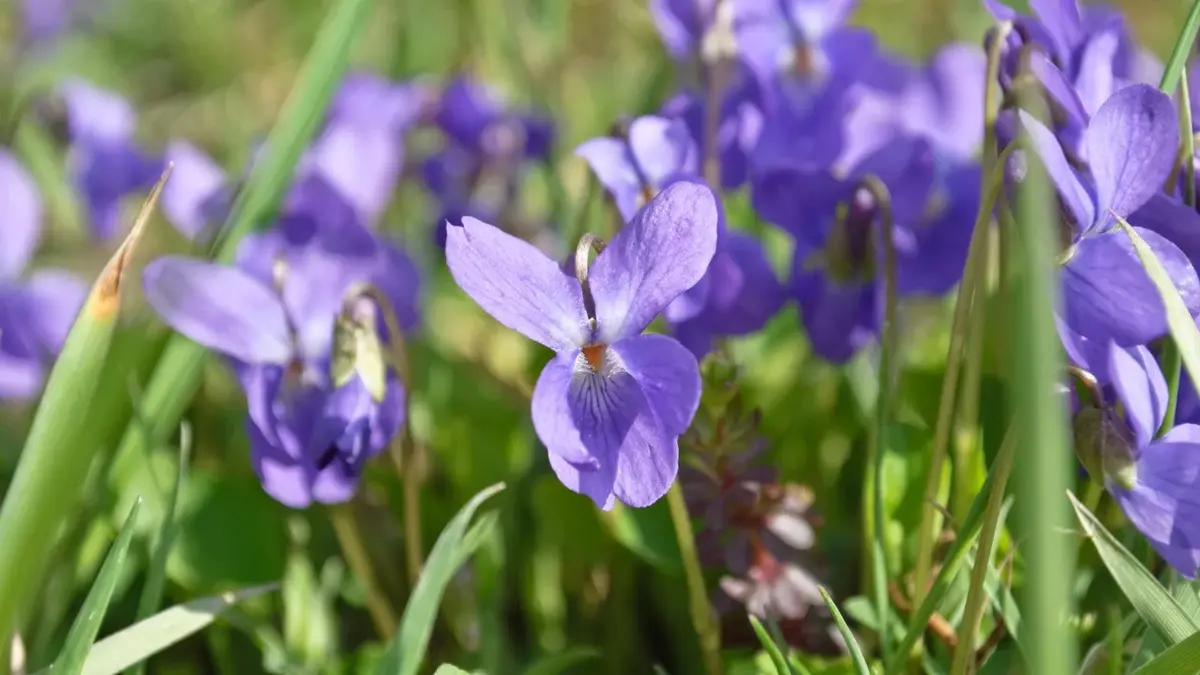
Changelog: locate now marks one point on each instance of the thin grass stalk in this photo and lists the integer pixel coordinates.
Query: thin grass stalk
(349, 537)
(704, 619)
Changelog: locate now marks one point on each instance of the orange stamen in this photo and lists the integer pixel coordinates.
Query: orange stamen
(594, 355)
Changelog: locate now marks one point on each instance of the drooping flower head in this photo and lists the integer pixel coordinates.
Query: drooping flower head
(37, 307)
(610, 406)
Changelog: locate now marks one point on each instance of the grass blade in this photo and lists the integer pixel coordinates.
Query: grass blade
(1182, 49)
(156, 574)
(860, 661)
(1181, 659)
(407, 649)
(55, 461)
(87, 623)
(1156, 606)
(768, 643)
(177, 374)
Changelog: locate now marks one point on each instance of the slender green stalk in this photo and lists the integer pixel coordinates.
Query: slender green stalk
(1172, 73)
(1046, 457)
(976, 593)
(703, 617)
(856, 654)
(355, 552)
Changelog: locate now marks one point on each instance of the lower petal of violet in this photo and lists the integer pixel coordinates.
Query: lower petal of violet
(840, 318)
(1107, 294)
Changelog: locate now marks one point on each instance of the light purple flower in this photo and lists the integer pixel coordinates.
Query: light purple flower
(36, 308)
(738, 129)
(682, 24)
(610, 406)
(656, 152)
(106, 162)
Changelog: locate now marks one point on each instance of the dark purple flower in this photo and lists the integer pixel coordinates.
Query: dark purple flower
(475, 118)
(738, 129)
(105, 160)
(611, 405)
(1130, 145)
(453, 177)
(682, 24)
(36, 308)
(656, 152)
(1156, 481)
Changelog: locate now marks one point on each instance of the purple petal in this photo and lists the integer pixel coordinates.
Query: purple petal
(1062, 21)
(668, 376)
(219, 307)
(946, 103)
(662, 147)
(517, 284)
(55, 297)
(106, 172)
(95, 114)
(796, 199)
(932, 254)
(552, 418)
(817, 18)
(839, 319)
(366, 99)
(1096, 81)
(1061, 92)
(681, 24)
(1087, 354)
(692, 301)
(22, 208)
(1141, 388)
(361, 163)
(1107, 294)
(663, 252)
(1074, 194)
(1131, 145)
(610, 160)
(762, 36)
(195, 180)
(1164, 504)
(1176, 221)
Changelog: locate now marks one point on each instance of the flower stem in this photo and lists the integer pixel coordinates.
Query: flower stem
(350, 540)
(703, 618)
(1172, 361)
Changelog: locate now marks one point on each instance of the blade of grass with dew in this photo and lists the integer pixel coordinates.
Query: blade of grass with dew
(968, 531)
(1155, 605)
(1047, 462)
(856, 653)
(177, 374)
(55, 461)
(87, 623)
(1181, 659)
(768, 643)
(150, 636)
(1179, 321)
(406, 651)
(156, 574)
(1173, 71)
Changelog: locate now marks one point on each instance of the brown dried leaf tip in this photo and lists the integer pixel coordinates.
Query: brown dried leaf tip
(105, 298)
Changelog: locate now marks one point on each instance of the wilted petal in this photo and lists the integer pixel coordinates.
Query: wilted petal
(195, 181)
(518, 285)
(668, 375)
(1131, 144)
(1074, 194)
(663, 252)
(1141, 388)
(1107, 294)
(21, 206)
(219, 307)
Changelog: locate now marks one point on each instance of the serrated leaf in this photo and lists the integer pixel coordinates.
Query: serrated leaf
(406, 651)
(1148, 597)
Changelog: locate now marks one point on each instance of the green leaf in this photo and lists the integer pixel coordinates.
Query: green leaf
(1180, 52)
(1179, 320)
(156, 574)
(1148, 597)
(856, 652)
(557, 664)
(150, 636)
(450, 669)
(177, 375)
(1181, 659)
(87, 623)
(768, 643)
(407, 649)
(55, 461)
(649, 533)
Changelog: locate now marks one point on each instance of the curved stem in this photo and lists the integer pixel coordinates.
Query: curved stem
(350, 540)
(703, 617)
(588, 244)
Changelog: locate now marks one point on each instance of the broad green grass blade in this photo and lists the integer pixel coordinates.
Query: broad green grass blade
(55, 461)
(148, 637)
(768, 643)
(407, 649)
(156, 574)
(860, 661)
(178, 372)
(1180, 52)
(1179, 320)
(1182, 659)
(87, 623)
(561, 663)
(1156, 606)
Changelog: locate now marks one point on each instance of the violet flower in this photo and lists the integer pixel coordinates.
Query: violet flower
(273, 316)
(1130, 144)
(611, 405)
(682, 24)
(1155, 481)
(655, 152)
(738, 129)
(106, 162)
(37, 308)
(475, 118)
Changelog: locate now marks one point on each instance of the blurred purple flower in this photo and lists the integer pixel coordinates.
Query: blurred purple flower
(36, 308)
(738, 129)
(452, 176)
(1156, 481)
(1130, 145)
(476, 119)
(106, 163)
(656, 152)
(611, 405)
(682, 24)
